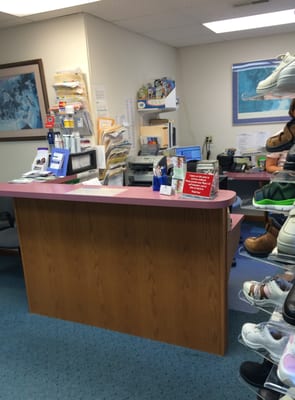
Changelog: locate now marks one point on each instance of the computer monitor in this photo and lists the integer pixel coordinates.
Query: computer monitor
(191, 153)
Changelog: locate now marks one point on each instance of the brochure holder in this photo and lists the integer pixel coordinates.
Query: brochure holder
(59, 161)
(162, 104)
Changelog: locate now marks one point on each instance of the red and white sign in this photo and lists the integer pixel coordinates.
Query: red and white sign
(198, 184)
(50, 121)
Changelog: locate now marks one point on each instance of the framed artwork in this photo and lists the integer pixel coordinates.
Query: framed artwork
(23, 101)
(250, 108)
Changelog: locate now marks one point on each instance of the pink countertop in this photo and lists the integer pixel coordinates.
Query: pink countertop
(113, 195)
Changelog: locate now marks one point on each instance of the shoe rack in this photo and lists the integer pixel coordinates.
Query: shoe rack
(276, 320)
(286, 263)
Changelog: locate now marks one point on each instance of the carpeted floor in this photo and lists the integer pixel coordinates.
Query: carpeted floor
(48, 359)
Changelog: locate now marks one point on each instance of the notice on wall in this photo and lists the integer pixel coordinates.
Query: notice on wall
(101, 105)
(198, 185)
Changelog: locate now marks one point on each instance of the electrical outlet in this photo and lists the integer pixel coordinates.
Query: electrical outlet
(208, 139)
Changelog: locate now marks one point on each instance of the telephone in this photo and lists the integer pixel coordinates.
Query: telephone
(238, 167)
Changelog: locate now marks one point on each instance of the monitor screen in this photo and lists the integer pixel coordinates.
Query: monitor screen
(191, 153)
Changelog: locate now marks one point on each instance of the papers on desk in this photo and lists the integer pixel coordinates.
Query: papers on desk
(94, 181)
(102, 191)
(21, 180)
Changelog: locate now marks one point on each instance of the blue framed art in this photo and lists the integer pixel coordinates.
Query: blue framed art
(23, 101)
(250, 108)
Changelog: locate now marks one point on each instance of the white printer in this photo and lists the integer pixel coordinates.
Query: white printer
(140, 169)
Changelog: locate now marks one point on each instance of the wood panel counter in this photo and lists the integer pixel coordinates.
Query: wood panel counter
(127, 259)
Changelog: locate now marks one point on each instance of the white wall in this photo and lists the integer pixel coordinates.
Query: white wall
(60, 43)
(121, 62)
(205, 88)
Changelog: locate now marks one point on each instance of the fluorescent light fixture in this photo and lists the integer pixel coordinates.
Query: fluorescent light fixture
(252, 22)
(21, 8)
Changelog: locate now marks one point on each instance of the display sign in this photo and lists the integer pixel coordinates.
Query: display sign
(59, 161)
(198, 184)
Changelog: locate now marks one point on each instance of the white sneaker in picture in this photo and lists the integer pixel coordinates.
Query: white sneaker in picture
(270, 291)
(286, 367)
(271, 81)
(262, 336)
(286, 79)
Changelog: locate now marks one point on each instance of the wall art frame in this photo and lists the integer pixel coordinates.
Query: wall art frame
(248, 106)
(23, 101)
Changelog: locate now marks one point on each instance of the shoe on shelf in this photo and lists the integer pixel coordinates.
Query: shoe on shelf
(286, 236)
(264, 337)
(291, 154)
(281, 141)
(255, 373)
(270, 291)
(286, 81)
(268, 394)
(265, 86)
(286, 367)
(262, 245)
(288, 310)
(275, 196)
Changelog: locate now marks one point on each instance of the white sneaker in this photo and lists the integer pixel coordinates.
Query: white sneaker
(271, 81)
(286, 367)
(270, 291)
(286, 235)
(262, 336)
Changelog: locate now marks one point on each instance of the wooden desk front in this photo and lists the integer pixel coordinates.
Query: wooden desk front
(148, 266)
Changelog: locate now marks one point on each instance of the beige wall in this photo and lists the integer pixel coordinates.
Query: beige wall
(205, 88)
(60, 43)
(118, 60)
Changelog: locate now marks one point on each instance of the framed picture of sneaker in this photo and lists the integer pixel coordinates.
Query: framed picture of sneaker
(255, 95)
(23, 101)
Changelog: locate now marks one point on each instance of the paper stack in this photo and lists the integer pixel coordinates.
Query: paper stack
(70, 87)
(117, 149)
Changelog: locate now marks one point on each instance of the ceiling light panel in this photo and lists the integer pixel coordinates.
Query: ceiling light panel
(252, 22)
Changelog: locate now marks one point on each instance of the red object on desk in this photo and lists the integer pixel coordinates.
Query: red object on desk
(198, 184)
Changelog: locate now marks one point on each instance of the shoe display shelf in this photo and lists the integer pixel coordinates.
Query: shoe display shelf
(269, 309)
(272, 381)
(285, 262)
(284, 176)
(284, 88)
(276, 320)
(251, 388)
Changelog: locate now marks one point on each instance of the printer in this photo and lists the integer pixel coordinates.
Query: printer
(140, 169)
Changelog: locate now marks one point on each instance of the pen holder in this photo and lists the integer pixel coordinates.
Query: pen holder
(158, 181)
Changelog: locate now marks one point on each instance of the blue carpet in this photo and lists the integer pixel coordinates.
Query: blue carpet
(48, 359)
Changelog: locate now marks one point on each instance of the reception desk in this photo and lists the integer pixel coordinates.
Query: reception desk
(128, 259)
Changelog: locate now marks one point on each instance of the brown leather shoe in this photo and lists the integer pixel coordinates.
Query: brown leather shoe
(261, 246)
(282, 141)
